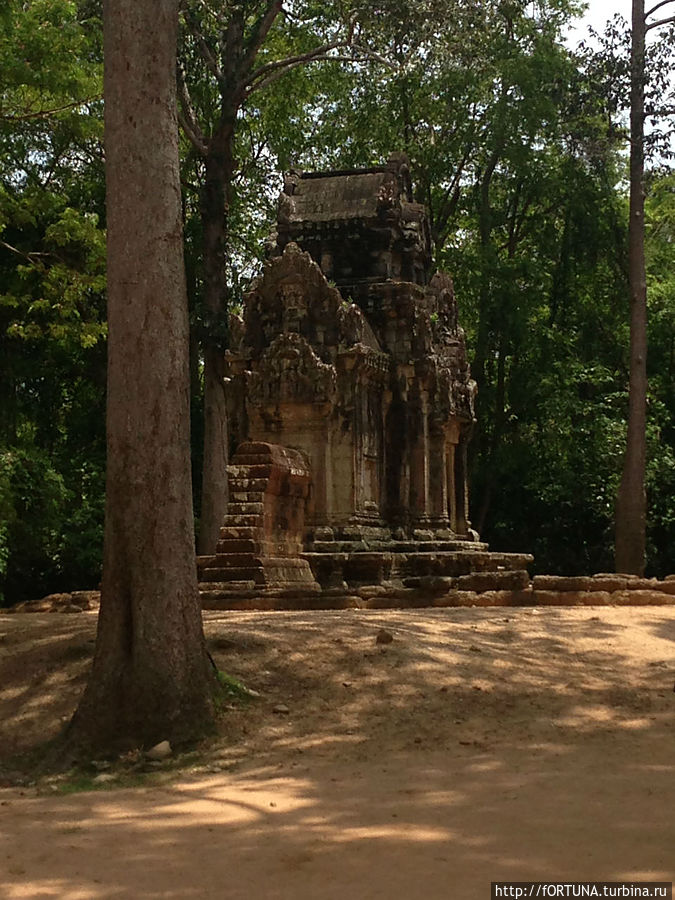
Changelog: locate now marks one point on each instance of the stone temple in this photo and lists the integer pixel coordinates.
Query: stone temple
(351, 408)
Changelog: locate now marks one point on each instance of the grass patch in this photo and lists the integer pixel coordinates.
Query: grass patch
(233, 690)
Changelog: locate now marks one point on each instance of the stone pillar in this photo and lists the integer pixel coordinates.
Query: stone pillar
(461, 488)
(450, 480)
(424, 398)
(385, 455)
(360, 426)
(438, 480)
(419, 468)
(405, 439)
(327, 500)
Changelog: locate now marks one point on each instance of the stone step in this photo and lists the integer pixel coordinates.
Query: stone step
(257, 468)
(232, 575)
(245, 566)
(291, 597)
(245, 497)
(205, 562)
(237, 560)
(244, 483)
(476, 582)
(338, 546)
(238, 545)
(245, 509)
(457, 546)
(457, 563)
(236, 528)
(366, 546)
(230, 586)
(496, 561)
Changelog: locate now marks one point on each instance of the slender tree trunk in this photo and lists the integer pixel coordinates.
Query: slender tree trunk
(479, 449)
(151, 678)
(488, 254)
(631, 504)
(498, 418)
(487, 258)
(214, 212)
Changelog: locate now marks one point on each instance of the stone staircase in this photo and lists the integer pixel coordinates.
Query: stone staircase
(258, 555)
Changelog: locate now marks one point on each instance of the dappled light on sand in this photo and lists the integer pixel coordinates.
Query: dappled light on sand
(479, 745)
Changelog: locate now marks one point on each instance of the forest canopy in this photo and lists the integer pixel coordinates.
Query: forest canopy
(518, 147)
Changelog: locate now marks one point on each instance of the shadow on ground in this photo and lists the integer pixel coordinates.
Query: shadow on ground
(479, 745)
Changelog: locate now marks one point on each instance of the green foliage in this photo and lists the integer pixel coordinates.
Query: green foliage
(52, 315)
(558, 470)
(660, 255)
(517, 148)
(33, 497)
(233, 690)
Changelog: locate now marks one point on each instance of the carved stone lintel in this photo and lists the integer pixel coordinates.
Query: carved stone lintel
(290, 372)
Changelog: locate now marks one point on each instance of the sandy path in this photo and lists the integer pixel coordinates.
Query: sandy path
(480, 745)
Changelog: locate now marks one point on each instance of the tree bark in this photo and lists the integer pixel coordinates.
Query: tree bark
(215, 217)
(631, 504)
(151, 678)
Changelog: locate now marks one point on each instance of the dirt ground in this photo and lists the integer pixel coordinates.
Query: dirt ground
(479, 745)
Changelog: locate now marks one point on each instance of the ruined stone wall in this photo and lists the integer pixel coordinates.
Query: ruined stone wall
(544, 590)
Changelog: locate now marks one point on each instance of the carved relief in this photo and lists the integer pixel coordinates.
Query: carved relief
(290, 372)
(383, 336)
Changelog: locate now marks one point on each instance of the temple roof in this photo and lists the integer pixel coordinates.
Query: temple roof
(347, 194)
(336, 196)
(361, 226)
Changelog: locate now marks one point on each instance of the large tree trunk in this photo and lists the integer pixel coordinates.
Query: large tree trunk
(214, 213)
(631, 504)
(151, 678)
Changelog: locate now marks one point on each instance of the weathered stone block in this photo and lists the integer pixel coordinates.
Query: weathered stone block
(368, 592)
(401, 598)
(550, 598)
(494, 581)
(456, 598)
(434, 584)
(642, 598)
(592, 598)
(608, 583)
(562, 583)
(666, 587)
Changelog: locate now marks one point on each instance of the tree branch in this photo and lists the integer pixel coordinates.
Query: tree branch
(657, 6)
(451, 196)
(260, 32)
(206, 52)
(44, 113)
(371, 56)
(660, 22)
(33, 256)
(260, 78)
(187, 117)
(660, 113)
(288, 63)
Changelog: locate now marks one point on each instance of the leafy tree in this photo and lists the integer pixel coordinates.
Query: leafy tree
(151, 678)
(660, 269)
(515, 142)
(52, 270)
(631, 503)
